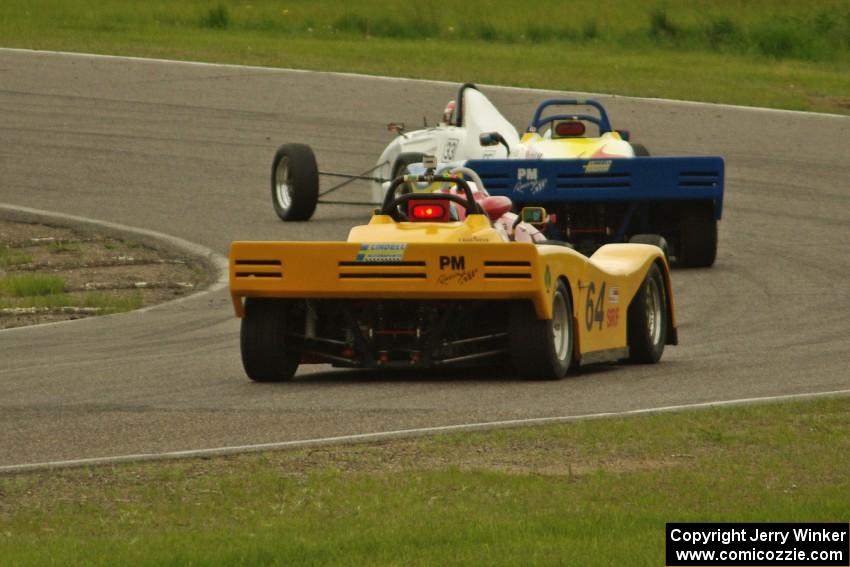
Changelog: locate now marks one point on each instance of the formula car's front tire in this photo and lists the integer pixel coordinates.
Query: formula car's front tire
(295, 182)
(269, 352)
(698, 247)
(647, 325)
(540, 349)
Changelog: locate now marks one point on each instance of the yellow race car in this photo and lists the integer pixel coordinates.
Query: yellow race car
(436, 280)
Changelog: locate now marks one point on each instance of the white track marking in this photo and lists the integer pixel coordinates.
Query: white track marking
(402, 433)
(404, 79)
(217, 260)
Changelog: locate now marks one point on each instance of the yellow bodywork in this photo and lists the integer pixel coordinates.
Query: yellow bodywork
(609, 144)
(454, 260)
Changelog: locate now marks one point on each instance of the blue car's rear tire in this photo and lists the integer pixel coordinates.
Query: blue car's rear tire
(698, 245)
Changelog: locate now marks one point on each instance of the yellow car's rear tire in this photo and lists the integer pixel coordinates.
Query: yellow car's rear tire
(269, 352)
(541, 349)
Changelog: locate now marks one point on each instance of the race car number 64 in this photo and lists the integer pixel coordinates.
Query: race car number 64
(594, 312)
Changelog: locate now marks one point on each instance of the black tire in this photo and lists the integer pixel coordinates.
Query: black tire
(655, 240)
(640, 150)
(295, 182)
(269, 353)
(542, 350)
(647, 325)
(698, 246)
(403, 160)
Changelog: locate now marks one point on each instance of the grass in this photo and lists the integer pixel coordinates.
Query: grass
(118, 302)
(763, 52)
(61, 247)
(105, 303)
(32, 285)
(589, 493)
(9, 257)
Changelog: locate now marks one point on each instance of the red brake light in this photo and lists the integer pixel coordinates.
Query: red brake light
(428, 211)
(569, 129)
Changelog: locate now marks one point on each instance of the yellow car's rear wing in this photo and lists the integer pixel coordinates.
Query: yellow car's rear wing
(389, 271)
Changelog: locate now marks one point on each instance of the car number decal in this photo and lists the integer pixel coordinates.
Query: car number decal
(594, 306)
(450, 149)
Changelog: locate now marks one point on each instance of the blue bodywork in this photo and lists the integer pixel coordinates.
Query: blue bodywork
(625, 180)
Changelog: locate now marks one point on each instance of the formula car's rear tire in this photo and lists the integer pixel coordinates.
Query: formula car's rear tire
(403, 160)
(698, 246)
(542, 350)
(654, 239)
(640, 150)
(647, 325)
(269, 352)
(295, 182)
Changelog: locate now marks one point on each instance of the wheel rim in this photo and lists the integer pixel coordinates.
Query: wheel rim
(654, 316)
(282, 183)
(560, 327)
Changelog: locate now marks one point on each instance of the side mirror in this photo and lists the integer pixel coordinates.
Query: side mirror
(493, 138)
(396, 127)
(624, 134)
(535, 216)
(429, 162)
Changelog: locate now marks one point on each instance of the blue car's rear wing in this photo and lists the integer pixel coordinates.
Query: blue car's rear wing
(594, 180)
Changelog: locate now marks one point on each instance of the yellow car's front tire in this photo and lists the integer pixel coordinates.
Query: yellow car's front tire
(647, 325)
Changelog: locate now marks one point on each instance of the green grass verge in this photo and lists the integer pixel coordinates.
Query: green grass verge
(32, 285)
(49, 291)
(762, 52)
(106, 303)
(585, 493)
(9, 257)
(60, 247)
(115, 302)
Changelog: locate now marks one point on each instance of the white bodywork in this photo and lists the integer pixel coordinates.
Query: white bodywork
(451, 143)
(456, 144)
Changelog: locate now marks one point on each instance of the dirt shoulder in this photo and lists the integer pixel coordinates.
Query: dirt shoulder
(55, 273)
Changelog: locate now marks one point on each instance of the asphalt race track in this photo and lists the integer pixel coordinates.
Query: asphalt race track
(186, 149)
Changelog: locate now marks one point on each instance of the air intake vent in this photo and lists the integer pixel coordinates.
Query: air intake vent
(496, 181)
(594, 181)
(258, 268)
(257, 262)
(391, 270)
(698, 179)
(507, 264)
(507, 276)
(507, 269)
(383, 275)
